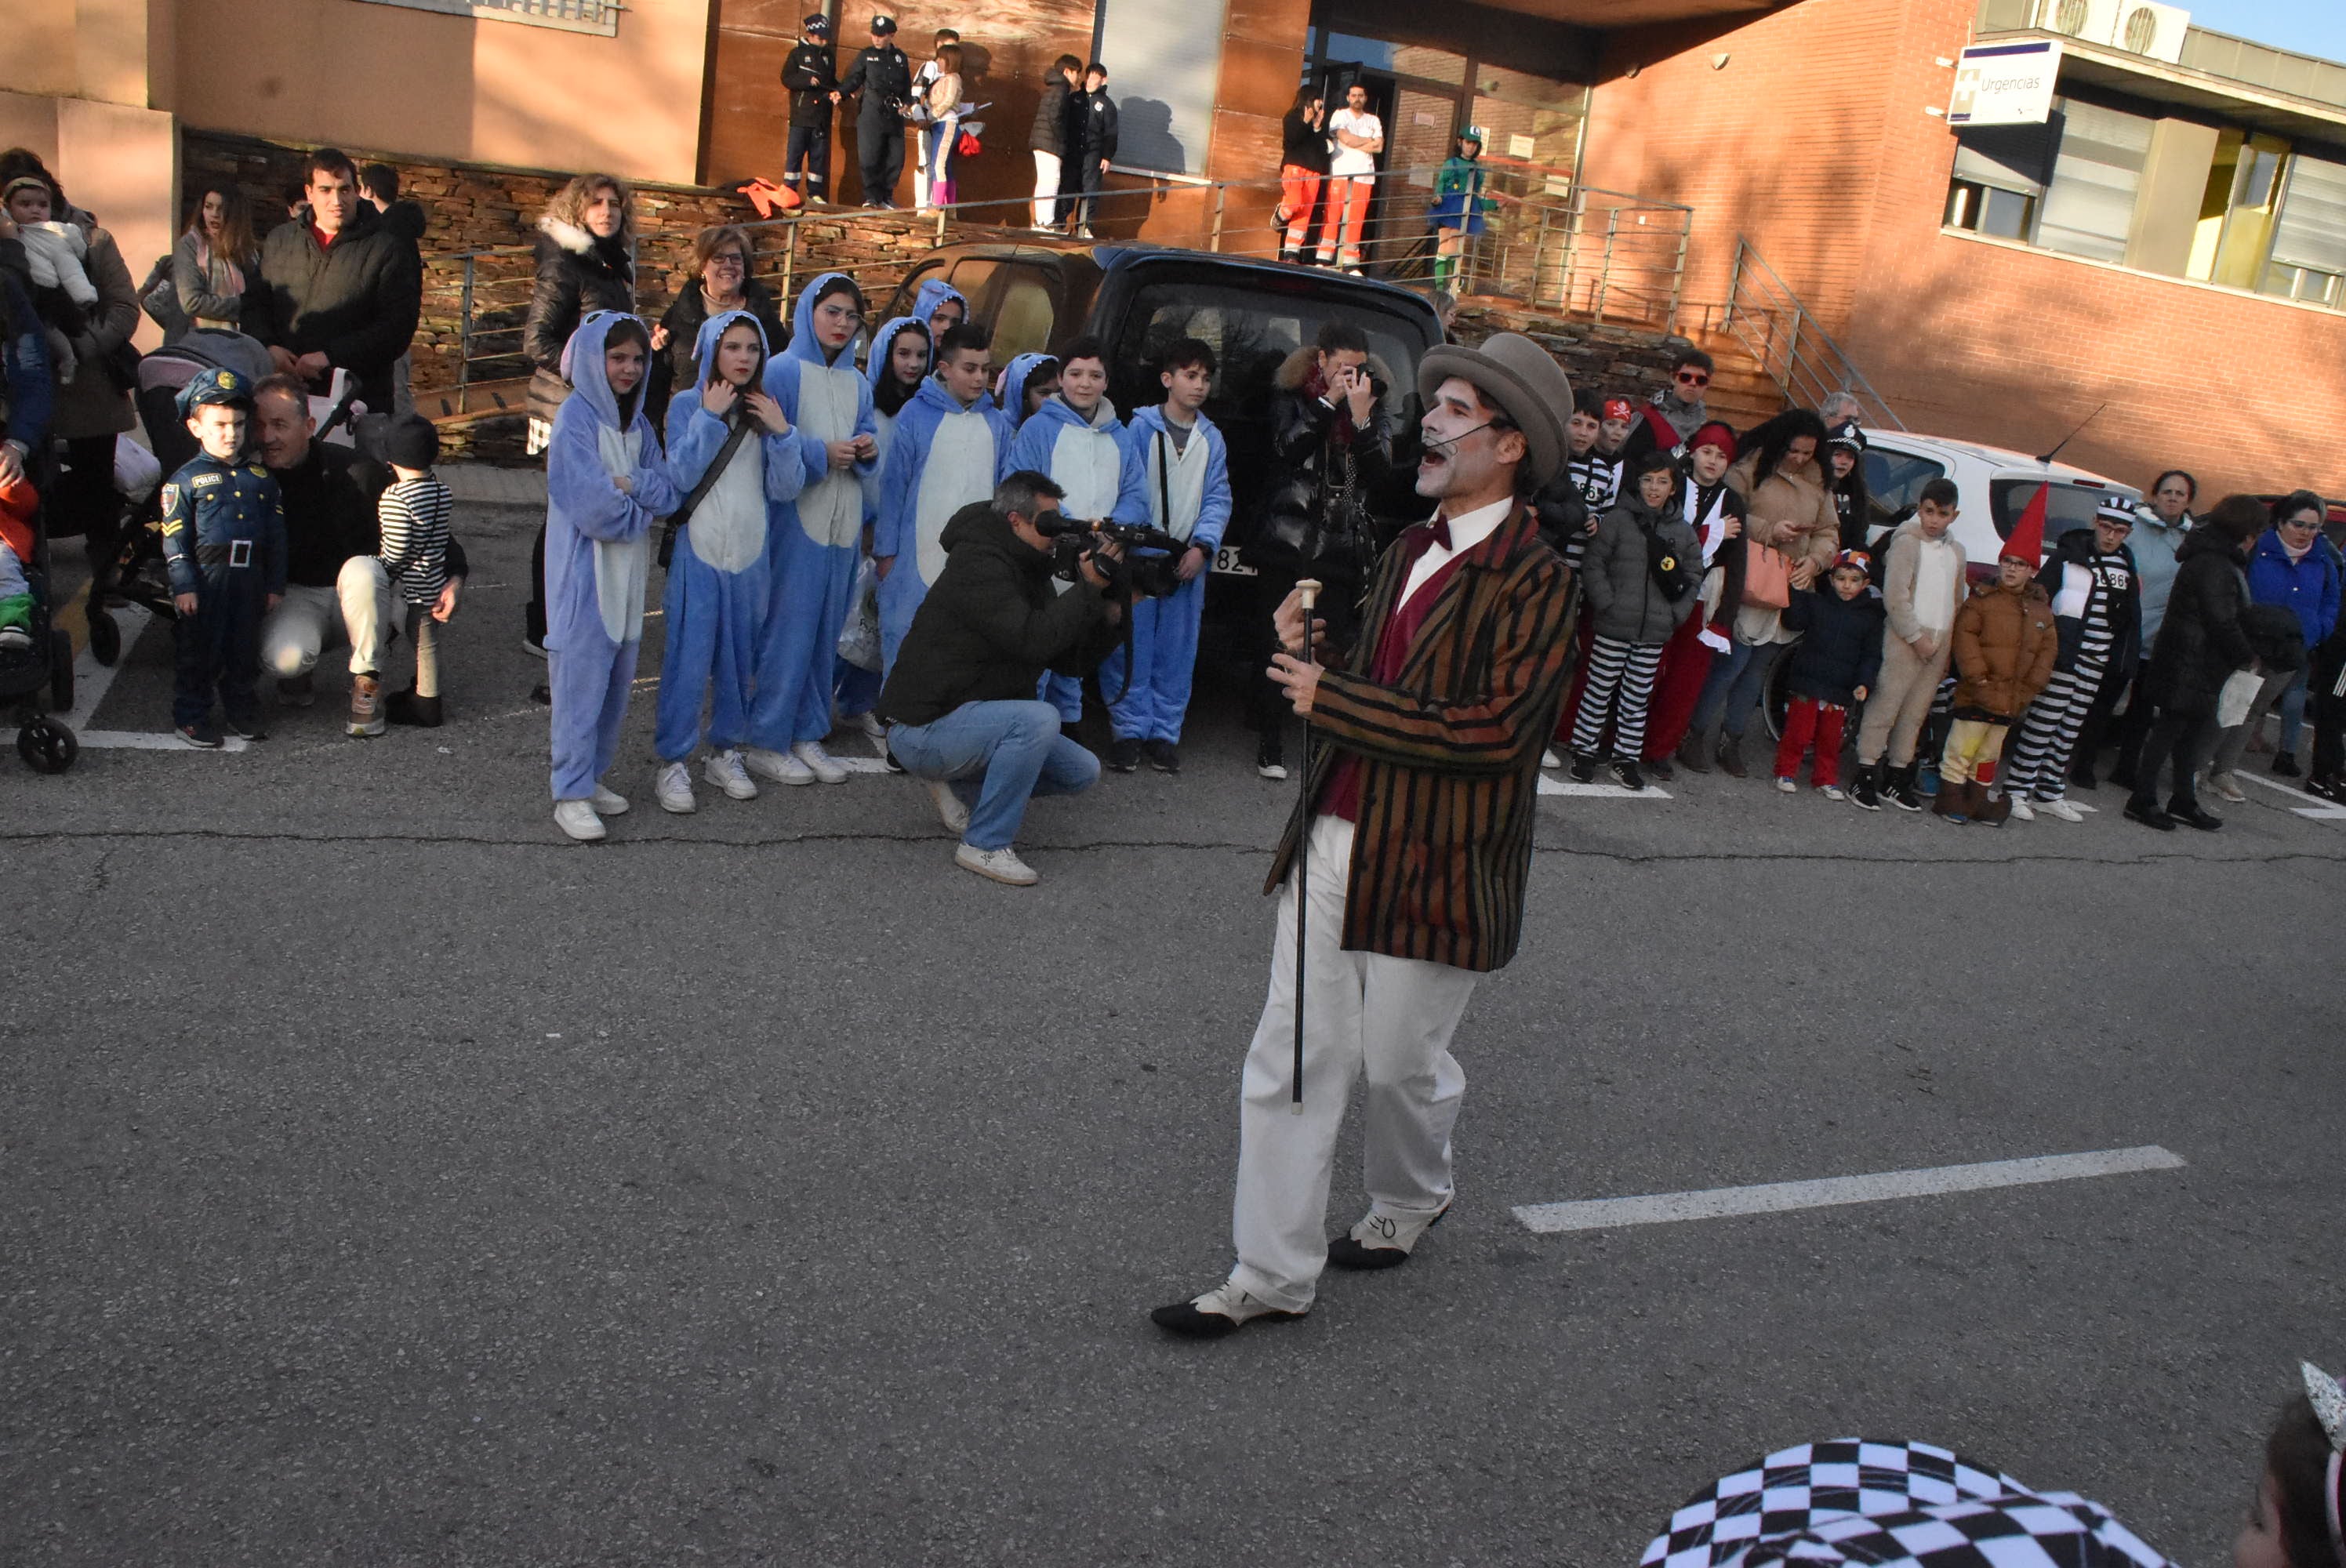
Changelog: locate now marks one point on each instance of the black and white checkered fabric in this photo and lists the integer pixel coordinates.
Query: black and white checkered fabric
(1889, 1505)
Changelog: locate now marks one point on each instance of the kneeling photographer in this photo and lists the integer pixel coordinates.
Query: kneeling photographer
(960, 699)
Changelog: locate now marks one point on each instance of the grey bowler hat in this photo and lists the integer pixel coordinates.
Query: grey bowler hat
(1523, 379)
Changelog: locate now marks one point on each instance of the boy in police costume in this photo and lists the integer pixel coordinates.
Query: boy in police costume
(224, 538)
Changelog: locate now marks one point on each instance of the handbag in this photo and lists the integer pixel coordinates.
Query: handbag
(683, 514)
(1674, 576)
(1767, 576)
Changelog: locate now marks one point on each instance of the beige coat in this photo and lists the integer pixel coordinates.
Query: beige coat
(1791, 512)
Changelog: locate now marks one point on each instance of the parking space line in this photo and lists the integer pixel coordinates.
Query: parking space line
(2315, 810)
(1778, 1197)
(93, 680)
(1548, 786)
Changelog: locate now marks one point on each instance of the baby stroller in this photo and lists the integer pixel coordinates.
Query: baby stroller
(37, 679)
(138, 572)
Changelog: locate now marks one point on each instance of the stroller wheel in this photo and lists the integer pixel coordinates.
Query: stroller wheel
(105, 637)
(47, 746)
(61, 672)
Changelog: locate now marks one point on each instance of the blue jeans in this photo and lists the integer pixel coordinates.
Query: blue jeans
(997, 755)
(2292, 712)
(1735, 683)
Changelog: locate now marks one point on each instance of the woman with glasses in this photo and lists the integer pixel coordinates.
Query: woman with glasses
(721, 259)
(2293, 567)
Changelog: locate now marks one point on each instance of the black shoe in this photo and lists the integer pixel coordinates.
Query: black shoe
(1901, 788)
(1583, 769)
(2122, 776)
(1626, 775)
(2082, 778)
(2192, 814)
(249, 728)
(542, 695)
(2147, 813)
(2284, 765)
(1198, 1318)
(1730, 756)
(203, 733)
(297, 691)
(1123, 756)
(2333, 789)
(406, 708)
(1865, 793)
(1163, 756)
(1661, 769)
(1269, 762)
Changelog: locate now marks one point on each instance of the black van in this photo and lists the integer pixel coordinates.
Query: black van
(1139, 299)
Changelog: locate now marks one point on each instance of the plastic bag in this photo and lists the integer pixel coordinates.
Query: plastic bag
(2233, 702)
(859, 639)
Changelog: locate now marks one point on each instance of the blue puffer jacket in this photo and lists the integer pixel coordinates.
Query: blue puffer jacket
(1842, 648)
(2310, 586)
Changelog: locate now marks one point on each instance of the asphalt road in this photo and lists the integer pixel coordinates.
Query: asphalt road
(388, 1181)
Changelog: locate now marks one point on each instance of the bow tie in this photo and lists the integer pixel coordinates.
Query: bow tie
(1437, 531)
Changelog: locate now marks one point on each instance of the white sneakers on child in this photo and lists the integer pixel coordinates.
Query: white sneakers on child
(578, 818)
(1001, 865)
(778, 766)
(819, 762)
(867, 724)
(608, 802)
(672, 788)
(1548, 759)
(2060, 808)
(724, 770)
(951, 810)
(2020, 807)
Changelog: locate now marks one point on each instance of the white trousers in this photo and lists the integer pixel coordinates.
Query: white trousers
(1046, 188)
(1389, 1019)
(311, 620)
(920, 167)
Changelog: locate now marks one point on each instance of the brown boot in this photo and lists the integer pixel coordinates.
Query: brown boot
(1953, 800)
(366, 706)
(1690, 756)
(1730, 756)
(1993, 809)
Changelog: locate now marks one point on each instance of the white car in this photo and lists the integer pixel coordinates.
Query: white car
(1995, 484)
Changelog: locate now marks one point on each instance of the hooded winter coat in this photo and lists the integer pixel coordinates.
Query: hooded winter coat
(2005, 644)
(2308, 588)
(356, 302)
(992, 624)
(2201, 644)
(577, 272)
(1840, 649)
(1624, 602)
(2069, 568)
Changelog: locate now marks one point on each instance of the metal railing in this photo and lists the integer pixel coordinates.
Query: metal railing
(1547, 243)
(1797, 355)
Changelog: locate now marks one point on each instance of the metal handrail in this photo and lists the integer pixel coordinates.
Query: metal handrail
(1796, 352)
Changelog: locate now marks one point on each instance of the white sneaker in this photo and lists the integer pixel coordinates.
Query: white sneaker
(1548, 759)
(1001, 865)
(778, 766)
(2020, 807)
(2061, 808)
(867, 725)
(2228, 787)
(724, 770)
(1786, 785)
(819, 762)
(608, 802)
(1832, 792)
(578, 818)
(672, 788)
(951, 809)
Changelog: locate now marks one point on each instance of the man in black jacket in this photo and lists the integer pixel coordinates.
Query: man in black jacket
(1093, 143)
(881, 80)
(341, 290)
(812, 78)
(960, 701)
(1048, 138)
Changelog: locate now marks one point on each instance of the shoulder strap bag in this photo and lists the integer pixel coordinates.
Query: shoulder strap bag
(683, 514)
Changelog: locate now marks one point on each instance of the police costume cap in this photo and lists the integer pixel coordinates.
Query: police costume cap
(1523, 379)
(883, 24)
(214, 386)
(818, 23)
(1846, 433)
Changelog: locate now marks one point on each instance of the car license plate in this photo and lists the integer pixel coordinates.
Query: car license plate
(1226, 562)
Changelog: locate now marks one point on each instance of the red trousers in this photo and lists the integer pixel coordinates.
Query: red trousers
(1808, 720)
(1686, 665)
(1298, 194)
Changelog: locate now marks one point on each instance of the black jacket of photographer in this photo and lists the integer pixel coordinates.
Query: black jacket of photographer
(992, 624)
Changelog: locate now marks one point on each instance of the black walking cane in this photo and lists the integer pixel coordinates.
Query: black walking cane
(1307, 592)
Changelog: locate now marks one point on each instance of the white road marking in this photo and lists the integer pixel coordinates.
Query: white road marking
(1548, 786)
(1778, 1197)
(2316, 809)
(151, 741)
(93, 680)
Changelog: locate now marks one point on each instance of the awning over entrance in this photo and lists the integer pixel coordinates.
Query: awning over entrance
(2298, 118)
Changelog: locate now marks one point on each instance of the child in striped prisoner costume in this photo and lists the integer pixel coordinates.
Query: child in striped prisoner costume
(1637, 576)
(2096, 596)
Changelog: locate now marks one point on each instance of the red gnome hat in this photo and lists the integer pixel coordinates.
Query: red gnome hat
(2026, 540)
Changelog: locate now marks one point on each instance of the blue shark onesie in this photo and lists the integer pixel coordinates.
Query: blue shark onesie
(720, 579)
(815, 543)
(1188, 494)
(1085, 458)
(597, 557)
(1014, 386)
(859, 689)
(926, 298)
(943, 457)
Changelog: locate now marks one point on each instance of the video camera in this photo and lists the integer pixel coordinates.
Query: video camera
(1077, 539)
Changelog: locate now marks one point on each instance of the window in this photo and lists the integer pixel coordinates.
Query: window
(2070, 506)
(569, 16)
(1250, 331)
(2088, 205)
(2309, 242)
(1893, 483)
(1999, 178)
(1985, 210)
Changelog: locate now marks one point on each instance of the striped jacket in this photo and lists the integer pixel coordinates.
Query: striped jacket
(1450, 755)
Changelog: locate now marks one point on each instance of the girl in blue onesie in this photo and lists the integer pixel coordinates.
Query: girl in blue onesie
(899, 361)
(1178, 460)
(1077, 439)
(940, 307)
(950, 448)
(815, 543)
(1030, 379)
(605, 482)
(720, 579)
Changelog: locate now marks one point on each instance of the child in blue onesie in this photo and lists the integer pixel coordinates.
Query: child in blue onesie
(605, 482)
(720, 579)
(940, 307)
(1027, 385)
(950, 448)
(1077, 439)
(816, 542)
(901, 359)
(1175, 458)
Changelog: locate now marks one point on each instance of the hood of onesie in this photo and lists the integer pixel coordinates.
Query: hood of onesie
(1014, 386)
(1058, 411)
(884, 343)
(582, 365)
(925, 303)
(704, 347)
(802, 345)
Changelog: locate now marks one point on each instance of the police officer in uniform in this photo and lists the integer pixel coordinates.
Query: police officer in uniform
(813, 81)
(883, 76)
(224, 538)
